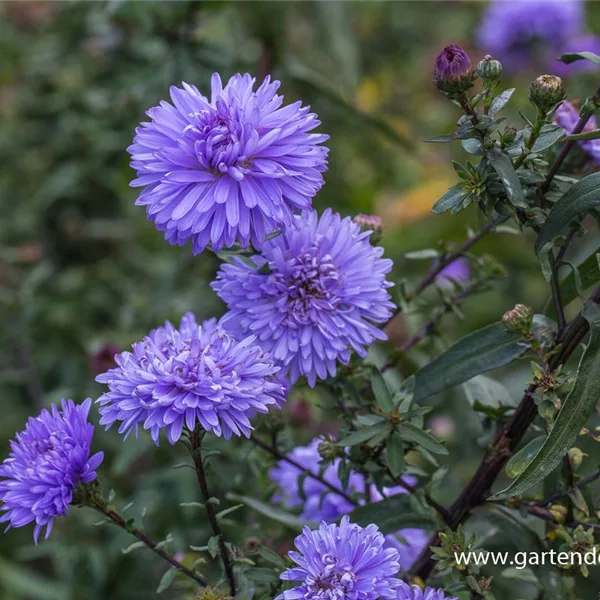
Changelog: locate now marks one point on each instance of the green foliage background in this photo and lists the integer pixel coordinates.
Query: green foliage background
(81, 267)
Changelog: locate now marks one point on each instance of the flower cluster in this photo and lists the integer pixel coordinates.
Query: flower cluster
(567, 117)
(319, 503)
(522, 34)
(232, 168)
(194, 374)
(342, 561)
(314, 294)
(48, 460)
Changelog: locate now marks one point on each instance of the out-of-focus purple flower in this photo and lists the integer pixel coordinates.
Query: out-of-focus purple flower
(458, 270)
(312, 296)
(342, 561)
(197, 374)
(104, 358)
(414, 592)
(48, 460)
(566, 116)
(452, 62)
(586, 42)
(234, 168)
(522, 34)
(319, 503)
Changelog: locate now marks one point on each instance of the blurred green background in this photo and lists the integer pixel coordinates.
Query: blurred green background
(83, 274)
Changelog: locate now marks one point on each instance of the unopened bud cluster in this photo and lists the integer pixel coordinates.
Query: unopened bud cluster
(518, 320)
(329, 450)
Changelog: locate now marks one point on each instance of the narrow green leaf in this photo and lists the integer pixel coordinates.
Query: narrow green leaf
(519, 462)
(589, 274)
(588, 135)
(578, 200)
(395, 454)
(500, 101)
(166, 580)
(271, 557)
(503, 166)
(451, 199)
(382, 393)
(213, 546)
(476, 353)
(228, 511)
(427, 254)
(132, 547)
(271, 512)
(392, 514)
(549, 135)
(577, 408)
(415, 434)
(571, 57)
(363, 435)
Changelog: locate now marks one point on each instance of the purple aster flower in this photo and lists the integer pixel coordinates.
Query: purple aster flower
(48, 460)
(234, 168)
(197, 374)
(458, 270)
(452, 62)
(342, 562)
(312, 296)
(522, 34)
(566, 116)
(414, 592)
(319, 503)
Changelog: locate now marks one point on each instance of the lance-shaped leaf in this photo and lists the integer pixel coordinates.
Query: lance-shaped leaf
(394, 513)
(577, 408)
(503, 166)
(589, 274)
(452, 198)
(549, 135)
(588, 135)
(500, 101)
(578, 200)
(571, 57)
(478, 352)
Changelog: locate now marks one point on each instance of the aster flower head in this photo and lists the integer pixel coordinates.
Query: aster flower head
(48, 460)
(342, 562)
(194, 374)
(414, 592)
(522, 34)
(312, 295)
(234, 168)
(453, 74)
(567, 116)
(318, 502)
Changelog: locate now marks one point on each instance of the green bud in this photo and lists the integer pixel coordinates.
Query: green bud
(575, 458)
(509, 135)
(489, 69)
(329, 450)
(546, 92)
(518, 320)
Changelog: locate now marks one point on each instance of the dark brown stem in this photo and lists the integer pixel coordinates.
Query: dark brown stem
(496, 457)
(280, 456)
(101, 506)
(546, 515)
(196, 442)
(576, 486)
(443, 262)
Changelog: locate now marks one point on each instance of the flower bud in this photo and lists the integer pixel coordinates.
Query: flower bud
(453, 73)
(518, 320)
(559, 512)
(546, 92)
(370, 223)
(328, 450)
(509, 135)
(575, 458)
(489, 69)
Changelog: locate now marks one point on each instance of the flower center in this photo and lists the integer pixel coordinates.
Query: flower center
(333, 583)
(309, 285)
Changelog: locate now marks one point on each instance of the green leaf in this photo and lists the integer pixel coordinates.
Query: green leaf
(588, 135)
(571, 57)
(487, 391)
(589, 274)
(395, 454)
(213, 546)
(427, 254)
(166, 580)
(394, 513)
(382, 393)
(363, 435)
(132, 547)
(577, 408)
(503, 166)
(476, 353)
(500, 101)
(519, 462)
(451, 199)
(415, 434)
(228, 511)
(549, 135)
(578, 200)
(26, 583)
(271, 557)
(271, 512)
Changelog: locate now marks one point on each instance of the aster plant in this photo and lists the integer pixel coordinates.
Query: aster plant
(312, 311)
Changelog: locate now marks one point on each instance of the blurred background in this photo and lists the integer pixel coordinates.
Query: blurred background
(83, 274)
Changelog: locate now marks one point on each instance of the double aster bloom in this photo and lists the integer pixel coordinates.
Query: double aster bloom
(196, 374)
(342, 562)
(312, 296)
(232, 168)
(319, 503)
(48, 460)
